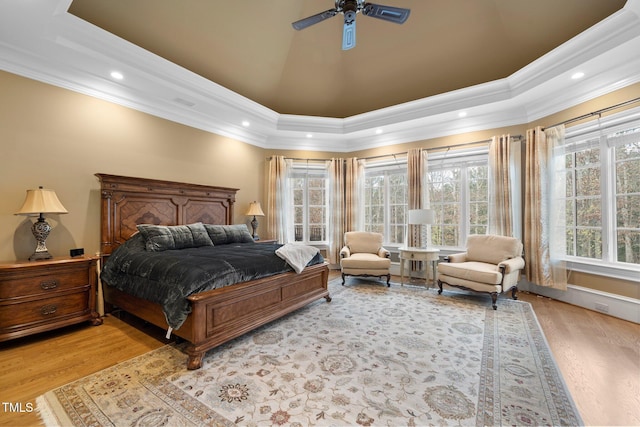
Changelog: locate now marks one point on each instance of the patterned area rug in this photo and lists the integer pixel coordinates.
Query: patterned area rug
(372, 356)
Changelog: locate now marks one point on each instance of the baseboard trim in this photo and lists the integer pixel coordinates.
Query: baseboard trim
(603, 302)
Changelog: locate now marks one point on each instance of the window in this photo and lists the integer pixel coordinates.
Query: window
(385, 201)
(309, 185)
(626, 158)
(583, 203)
(458, 193)
(602, 192)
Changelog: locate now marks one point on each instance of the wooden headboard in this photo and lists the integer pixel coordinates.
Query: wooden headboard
(127, 202)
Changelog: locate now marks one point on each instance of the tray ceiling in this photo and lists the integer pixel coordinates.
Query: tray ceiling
(250, 47)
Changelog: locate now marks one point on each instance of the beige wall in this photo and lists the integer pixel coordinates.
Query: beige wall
(59, 139)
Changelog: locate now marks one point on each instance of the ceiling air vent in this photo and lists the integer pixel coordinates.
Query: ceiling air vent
(184, 102)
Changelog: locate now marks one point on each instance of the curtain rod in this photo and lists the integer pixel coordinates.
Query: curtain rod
(595, 113)
(484, 141)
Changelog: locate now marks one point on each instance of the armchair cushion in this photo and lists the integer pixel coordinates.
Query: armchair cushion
(366, 261)
(472, 270)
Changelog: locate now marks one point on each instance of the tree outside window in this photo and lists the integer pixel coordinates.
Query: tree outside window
(583, 203)
(385, 202)
(459, 195)
(602, 196)
(627, 168)
(310, 201)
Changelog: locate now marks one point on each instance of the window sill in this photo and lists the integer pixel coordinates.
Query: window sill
(616, 271)
(630, 273)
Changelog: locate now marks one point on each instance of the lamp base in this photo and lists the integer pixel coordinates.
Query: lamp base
(37, 256)
(254, 226)
(41, 230)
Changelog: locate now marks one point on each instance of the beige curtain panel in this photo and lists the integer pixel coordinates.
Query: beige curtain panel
(415, 185)
(500, 187)
(354, 176)
(337, 170)
(276, 209)
(543, 238)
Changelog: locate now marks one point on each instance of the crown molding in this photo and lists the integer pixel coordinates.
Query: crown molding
(41, 41)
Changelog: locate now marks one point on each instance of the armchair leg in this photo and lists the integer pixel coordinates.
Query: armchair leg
(342, 279)
(388, 279)
(494, 299)
(440, 287)
(514, 292)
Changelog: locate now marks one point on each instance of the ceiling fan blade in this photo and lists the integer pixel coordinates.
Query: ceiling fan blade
(314, 19)
(387, 13)
(349, 35)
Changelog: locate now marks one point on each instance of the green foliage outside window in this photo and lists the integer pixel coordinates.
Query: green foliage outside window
(602, 200)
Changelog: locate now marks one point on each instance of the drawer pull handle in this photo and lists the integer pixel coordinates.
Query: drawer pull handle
(51, 284)
(48, 310)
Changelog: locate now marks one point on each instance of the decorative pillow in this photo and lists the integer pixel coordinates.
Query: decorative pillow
(225, 234)
(165, 237)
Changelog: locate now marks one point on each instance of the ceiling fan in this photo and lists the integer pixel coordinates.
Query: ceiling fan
(349, 8)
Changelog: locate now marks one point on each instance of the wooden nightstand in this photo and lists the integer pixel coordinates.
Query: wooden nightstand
(37, 296)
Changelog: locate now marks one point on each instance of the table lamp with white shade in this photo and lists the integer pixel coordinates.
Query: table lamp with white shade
(39, 202)
(421, 217)
(255, 210)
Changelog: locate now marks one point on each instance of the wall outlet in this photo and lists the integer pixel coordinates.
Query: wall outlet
(604, 308)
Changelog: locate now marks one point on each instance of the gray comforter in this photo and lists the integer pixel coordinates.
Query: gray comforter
(169, 277)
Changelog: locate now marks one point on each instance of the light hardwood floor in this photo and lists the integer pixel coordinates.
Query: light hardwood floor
(598, 355)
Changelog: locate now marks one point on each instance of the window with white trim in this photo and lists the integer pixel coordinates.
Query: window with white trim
(602, 199)
(309, 195)
(459, 195)
(385, 200)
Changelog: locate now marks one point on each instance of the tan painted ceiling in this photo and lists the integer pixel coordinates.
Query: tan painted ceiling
(249, 46)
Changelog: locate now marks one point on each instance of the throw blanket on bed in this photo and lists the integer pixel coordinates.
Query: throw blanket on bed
(170, 276)
(296, 255)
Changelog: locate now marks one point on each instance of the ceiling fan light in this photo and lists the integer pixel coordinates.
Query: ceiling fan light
(349, 9)
(349, 35)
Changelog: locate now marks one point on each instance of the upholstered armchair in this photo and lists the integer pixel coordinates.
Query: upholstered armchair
(363, 255)
(491, 264)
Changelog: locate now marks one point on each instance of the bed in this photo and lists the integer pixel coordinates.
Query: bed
(217, 315)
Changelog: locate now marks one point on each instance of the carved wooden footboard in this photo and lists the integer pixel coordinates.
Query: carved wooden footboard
(218, 315)
(223, 314)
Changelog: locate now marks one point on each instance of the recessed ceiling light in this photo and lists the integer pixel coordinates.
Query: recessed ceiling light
(462, 114)
(379, 131)
(578, 75)
(246, 123)
(117, 75)
(309, 135)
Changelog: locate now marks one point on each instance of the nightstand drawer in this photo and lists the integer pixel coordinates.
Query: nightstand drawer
(412, 256)
(44, 281)
(21, 314)
(43, 295)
